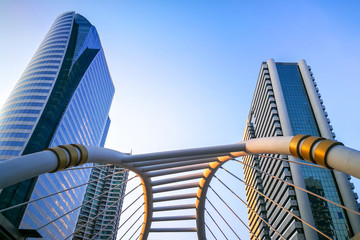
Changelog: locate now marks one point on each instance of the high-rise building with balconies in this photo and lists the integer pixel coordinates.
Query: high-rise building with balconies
(287, 102)
(99, 219)
(63, 97)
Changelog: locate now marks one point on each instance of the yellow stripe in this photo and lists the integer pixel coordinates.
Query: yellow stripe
(322, 150)
(74, 156)
(83, 153)
(307, 146)
(295, 143)
(61, 157)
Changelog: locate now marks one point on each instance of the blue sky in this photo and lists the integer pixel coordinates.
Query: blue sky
(185, 71)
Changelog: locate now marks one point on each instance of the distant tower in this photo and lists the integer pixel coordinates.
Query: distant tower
(104, 213)
(287, 102)
(63, 96)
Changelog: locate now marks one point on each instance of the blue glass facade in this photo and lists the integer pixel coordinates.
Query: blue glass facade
(27, 100)
(63, 97)
(329, 218)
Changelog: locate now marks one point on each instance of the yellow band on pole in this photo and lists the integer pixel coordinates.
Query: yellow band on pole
(322, 150)
(307, 146)
(295, 144)
(61, 156)
(74, 156)
(83, 153)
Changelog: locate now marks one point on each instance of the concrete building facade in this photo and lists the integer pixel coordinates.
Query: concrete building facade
(287, 102)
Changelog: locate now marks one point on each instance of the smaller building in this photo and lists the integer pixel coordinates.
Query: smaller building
(101, 216)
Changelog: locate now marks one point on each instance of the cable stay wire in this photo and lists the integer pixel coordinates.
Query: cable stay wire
(85, 203)
(215, 223)
(138, 227)
(104, 228)
(77, 230)
(133, 222)
(302, 189)
(65, 190)
(129, 207)
(275, 203)
(291, 161)
(231, 210)
(119, 214)
(93, 218)
(251, 209)
(131, 203)
(130, 216)
(138, 235)
(210, 230)
(223, 219)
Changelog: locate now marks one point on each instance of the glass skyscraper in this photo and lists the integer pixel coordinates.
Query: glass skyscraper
(63, 97)
(287, 102)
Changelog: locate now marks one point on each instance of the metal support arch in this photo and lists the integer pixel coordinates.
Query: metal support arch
(209, 159)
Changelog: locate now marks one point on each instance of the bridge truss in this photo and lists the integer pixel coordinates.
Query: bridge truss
(174, 177)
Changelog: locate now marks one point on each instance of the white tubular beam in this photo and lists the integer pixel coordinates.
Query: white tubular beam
(339, 157)
(175, 207)
(175, 187)
(177, 170)
(175, 197)
(14, 170)
(208, 157)
(325, 152)
(175, 164)
(174, 218)
(22, 168)
(177, 179)
(215, 150)
(276, 145)
(344, 159)
(108, 156)
(172, 229)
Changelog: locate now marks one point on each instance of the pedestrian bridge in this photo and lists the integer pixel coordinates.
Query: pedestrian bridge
(178, 180)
